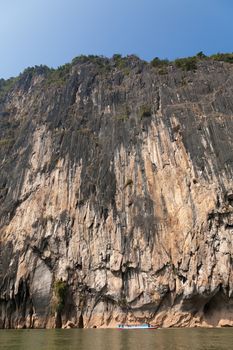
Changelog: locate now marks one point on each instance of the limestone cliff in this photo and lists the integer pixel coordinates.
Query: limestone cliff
(116, 195)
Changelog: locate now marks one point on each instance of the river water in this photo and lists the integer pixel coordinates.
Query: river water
(109, 339)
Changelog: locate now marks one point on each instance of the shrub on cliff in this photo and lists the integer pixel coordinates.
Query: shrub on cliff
(224, 57)
(200, 55)
(119, 61)
(58, 76)
(117, 57)
(188, 64)
(41, 69)
(6, 86)
(5, 142)
(145, 111)
(60, 291)
(158, 63)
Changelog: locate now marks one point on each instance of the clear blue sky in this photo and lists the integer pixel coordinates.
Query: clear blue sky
(52, 32)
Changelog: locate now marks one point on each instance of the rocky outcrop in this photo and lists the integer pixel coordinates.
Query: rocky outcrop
(116, 195)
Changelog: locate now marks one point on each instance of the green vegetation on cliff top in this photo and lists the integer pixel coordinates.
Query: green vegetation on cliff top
(60, 75)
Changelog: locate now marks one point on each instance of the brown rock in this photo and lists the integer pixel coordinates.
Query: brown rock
(117, 180)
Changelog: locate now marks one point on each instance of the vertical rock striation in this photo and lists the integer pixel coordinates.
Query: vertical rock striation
(116, 195)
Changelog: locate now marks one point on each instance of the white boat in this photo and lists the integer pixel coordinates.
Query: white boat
(136, 326)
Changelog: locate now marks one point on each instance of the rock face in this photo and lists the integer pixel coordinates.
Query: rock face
(116, 195)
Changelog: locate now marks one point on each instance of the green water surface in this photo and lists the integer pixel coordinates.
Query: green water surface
(106, 339)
